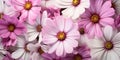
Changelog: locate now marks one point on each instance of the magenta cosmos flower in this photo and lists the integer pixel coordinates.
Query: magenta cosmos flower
(60, 33)
(81, 53)
(97, 16)
(29, 9)
(11, 27)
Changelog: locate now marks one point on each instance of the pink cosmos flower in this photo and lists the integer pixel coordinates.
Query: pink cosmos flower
(61, 34)
(11, 27)
(97, 17)
(82, 53)
(29, 9)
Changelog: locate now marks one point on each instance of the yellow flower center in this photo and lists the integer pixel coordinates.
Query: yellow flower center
(11, 27)
(108, 45)
(75, 2)
(77, 57)
(61, 36)
(39, 28)
(95, 18)
(28, 5)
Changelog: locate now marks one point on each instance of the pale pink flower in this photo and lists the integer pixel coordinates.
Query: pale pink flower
(6, 10)
(34, 31)
(73, 8)
(37, 50)
(29, 9)
(61, 34)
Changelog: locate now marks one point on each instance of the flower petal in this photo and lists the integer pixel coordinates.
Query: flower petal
(32, 36)
(17, 54)
(54, 47)
(108, 32)
(59, 51)
(67, 47)
(116, 38)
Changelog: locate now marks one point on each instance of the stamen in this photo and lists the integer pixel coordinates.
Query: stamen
(81, 31)
(77, 57)
(39, 28)
(28, 5)
(11, 27)
(61, 36)
(25, 48)
(1, 15)
(75, 2)
(108, 45)
(40, 51)
(95, 18)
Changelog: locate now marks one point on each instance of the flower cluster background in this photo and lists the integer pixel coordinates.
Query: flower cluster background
(59, 29)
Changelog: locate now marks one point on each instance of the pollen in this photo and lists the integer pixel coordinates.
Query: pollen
(77, 57)
(28, 5)
(75, 2)
(108, 45)
(95, 18)
(61, 36)
(38, 28)
(11, 27)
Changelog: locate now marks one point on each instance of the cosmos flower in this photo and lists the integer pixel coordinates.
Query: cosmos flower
(22, 51)
(29, 9)
(106, 48)
(11, 27)
(6, 10)
(34, 31)
(73, 8)
(97, 17)
(81, 53)
(61, 34)
(83, 34)
(37, 50)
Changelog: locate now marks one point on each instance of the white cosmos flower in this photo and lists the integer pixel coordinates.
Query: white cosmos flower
(22, 51)
(37, 50)
(83, 36)
(74, 8)
(6, 9)
(107, 48)
(34, 31)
